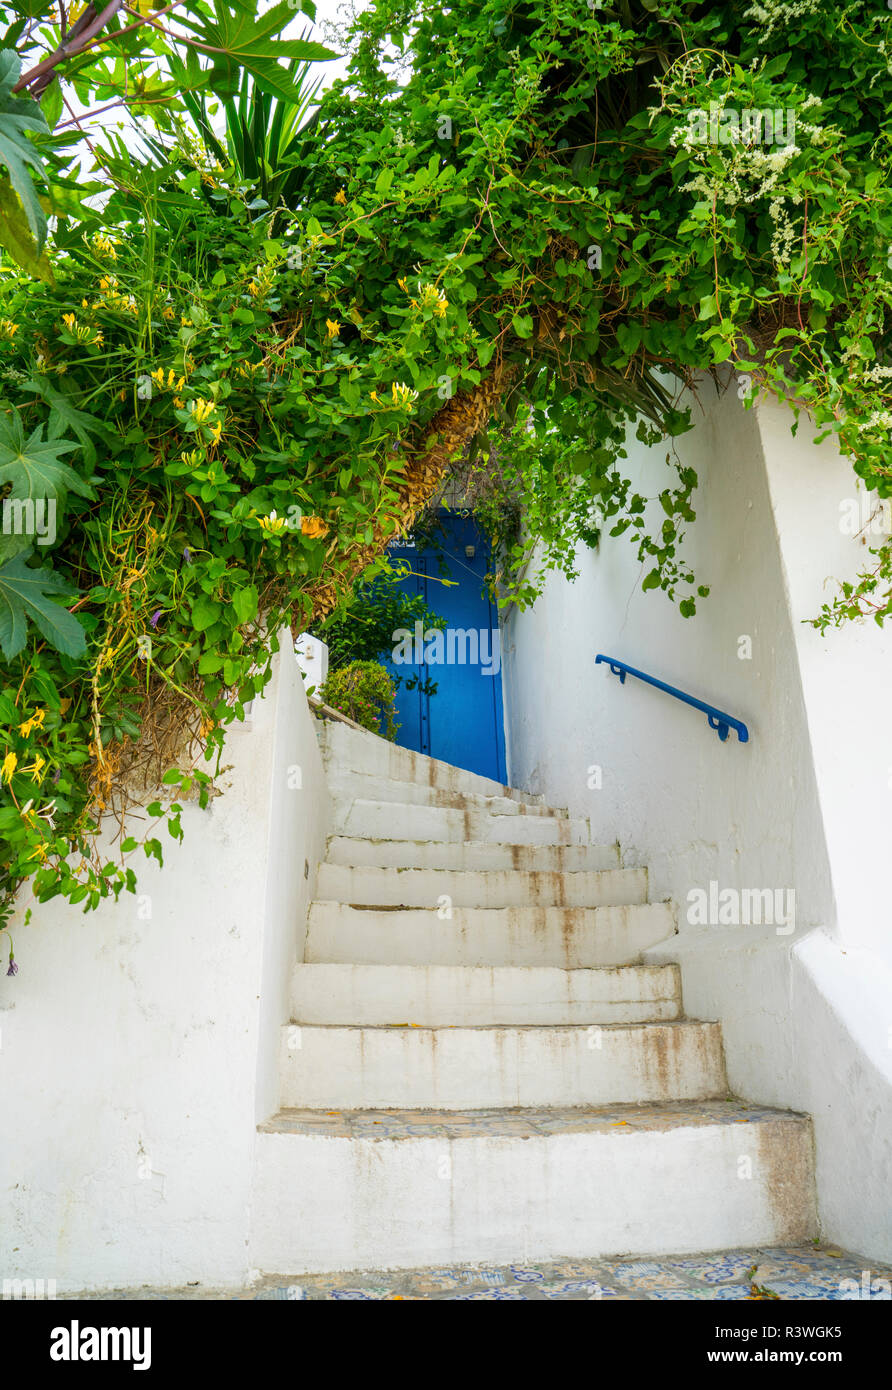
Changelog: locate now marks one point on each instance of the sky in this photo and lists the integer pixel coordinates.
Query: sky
(327, 11)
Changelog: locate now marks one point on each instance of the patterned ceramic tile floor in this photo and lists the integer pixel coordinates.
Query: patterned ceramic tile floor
(792, 1272)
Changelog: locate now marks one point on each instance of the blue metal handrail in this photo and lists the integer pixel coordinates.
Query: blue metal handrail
(718, 720)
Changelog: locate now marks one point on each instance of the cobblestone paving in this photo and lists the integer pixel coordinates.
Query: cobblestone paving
(790, 1272)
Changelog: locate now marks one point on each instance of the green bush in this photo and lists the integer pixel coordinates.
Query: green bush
(364, 692)
(362, 630)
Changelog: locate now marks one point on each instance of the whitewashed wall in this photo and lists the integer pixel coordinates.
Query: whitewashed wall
(139, 1042)
(805, 805)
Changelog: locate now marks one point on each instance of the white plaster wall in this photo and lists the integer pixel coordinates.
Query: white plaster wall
(805, 805)
(678, 799)
(139, 1042)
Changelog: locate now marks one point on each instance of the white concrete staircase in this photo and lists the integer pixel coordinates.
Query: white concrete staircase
(480, 1067)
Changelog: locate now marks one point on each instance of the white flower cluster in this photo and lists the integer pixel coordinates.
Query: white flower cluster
(877, 374)
(877, 420)
(745, 177)
(776, 14)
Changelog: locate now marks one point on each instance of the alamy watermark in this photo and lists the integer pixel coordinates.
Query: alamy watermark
(456, 646)
(726, 125)
(25, 516)
(29, 1288)
(744, 907)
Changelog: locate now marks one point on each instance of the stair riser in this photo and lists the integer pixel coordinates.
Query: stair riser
(440, 996)
(343, 747)
(434, 854)
(565, 937)
(372, 1068)
(332, 1204)
(442, 889)
(349, 787)
(380, 820)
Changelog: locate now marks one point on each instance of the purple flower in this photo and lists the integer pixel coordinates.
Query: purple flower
(153, 621)
(187, 555)
(56, 775)
(13, 968)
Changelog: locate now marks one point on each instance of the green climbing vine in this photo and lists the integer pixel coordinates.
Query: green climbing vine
(250, 345)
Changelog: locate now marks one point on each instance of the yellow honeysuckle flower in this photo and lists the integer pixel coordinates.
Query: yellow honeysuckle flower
(402, 395)
(8, 329)
(167, 312)
(35, 722)
(272, 524)
(8, 767)
(179, 403)
(403, 286)
(374, 397)
(334, 328)
(216, 431)
(202, 409)
(83, 332)
(341, 197)
(105, 245)
(313, 526)
(36, 767)
(39, 852)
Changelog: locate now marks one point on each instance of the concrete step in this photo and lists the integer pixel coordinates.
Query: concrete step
(397, 821)
(446, 854)
(397, 1190)
(344, 748)
(568, 937)
(441, 890)
(441, 1068)
(468, 996)
(346, 787)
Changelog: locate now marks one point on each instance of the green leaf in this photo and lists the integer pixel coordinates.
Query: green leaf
(244, 602)
(16, 236)
(205, 612)
(17, 116)
(775, 66)
(28, 593)
(522, 325)
(33, 467)
(51, 103)
(64, 416)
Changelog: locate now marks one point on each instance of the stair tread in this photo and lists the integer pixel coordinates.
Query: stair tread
(350, 786)
(666, 970)
(520, 1122)
(416, 1028)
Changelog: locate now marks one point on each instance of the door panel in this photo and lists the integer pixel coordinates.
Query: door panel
(463, 722)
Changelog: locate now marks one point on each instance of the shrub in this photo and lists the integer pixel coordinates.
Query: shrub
(364, 692)
(363, 629)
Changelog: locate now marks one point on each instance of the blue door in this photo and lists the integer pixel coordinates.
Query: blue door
(462, 723)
